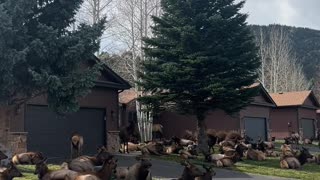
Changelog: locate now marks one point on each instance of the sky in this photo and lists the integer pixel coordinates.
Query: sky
(299, 13)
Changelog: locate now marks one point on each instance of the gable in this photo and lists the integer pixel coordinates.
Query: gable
(263, 98)
(311, 101)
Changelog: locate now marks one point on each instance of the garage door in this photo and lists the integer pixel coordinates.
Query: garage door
(255, 128)
(50, 133)
(307, 128)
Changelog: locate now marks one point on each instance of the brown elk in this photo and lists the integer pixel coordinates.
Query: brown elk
(10, 172)
(208, 174)
(291, 162)
(190, 171)
(87, 163)
(131, 147)
(27, 158)
(234, 136)
(157, 131)
(221, 136)
(212, 138)
(44, 173)
(76, 145)
(129, 133)
(140, 170)
(193, 136)
(256, 155)
(182, 142)
(121, 173)
(105, 173)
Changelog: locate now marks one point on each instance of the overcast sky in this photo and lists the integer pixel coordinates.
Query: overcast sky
(299, 13)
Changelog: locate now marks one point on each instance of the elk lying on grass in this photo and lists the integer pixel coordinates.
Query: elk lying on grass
(76, 145)
(140, 170)
(182, 142)
(255, 155)
(27, 158)
(193, 136)
(10, 172)
(105, 173)
(292, 162)
(131, 147)
(88, 163)
(44, 173)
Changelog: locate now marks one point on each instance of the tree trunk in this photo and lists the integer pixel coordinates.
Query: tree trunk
(202, 136)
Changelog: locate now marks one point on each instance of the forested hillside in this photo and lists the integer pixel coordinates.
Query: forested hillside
(305, 45)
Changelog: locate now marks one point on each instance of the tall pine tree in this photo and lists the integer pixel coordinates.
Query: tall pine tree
(40, 55)
(201, 58)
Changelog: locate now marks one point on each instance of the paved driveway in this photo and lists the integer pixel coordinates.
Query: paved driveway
(166, 170)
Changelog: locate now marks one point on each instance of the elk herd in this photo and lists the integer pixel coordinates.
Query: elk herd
(225, 149)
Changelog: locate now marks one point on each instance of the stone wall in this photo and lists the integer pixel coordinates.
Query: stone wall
(17, 142)
(113, 141)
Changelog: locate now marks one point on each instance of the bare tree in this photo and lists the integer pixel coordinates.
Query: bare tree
(280, 70)
(132, 25)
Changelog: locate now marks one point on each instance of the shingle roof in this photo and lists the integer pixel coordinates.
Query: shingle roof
(127, 96)
(290, 98)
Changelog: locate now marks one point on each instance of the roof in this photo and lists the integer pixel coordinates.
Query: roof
(264, 93)
(293, 98)
(119, 82)
(127, 96)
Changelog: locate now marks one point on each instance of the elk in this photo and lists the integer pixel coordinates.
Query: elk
(87, 163)
(121, 173)
(157, 131)
(190, 135)
(131, 147)
(212, 139)
(182, 142)
(105, 173)
(190, 171)
(127, 133)
(44, 173)
(233, 136)
(140, 170)
(208, 174)
(221, 136)
(76, 145)
(255, 155)
(10, 172)
(291, 162)
(27, 158)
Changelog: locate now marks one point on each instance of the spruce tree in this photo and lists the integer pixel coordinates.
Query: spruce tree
(201, 57)
(40, 54)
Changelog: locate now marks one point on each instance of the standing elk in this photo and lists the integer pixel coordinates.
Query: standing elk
(128, 133)
(76, 145)
(157, 131)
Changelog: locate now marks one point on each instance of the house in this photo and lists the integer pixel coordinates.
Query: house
(253, 120)
(33, 127)
(127, 110)
(295, 112)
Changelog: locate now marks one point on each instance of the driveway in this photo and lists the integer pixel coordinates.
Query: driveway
(167, 170)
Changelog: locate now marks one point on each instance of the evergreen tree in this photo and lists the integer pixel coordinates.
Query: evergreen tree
(39, 54)
(201, 58)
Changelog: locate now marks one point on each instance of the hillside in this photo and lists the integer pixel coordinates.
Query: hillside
(305, 44)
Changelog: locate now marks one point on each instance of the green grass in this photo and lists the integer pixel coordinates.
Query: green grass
(28, 170)
(270, 167)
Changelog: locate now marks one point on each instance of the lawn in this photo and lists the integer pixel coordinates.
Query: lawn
(270, 167)
(28, 171)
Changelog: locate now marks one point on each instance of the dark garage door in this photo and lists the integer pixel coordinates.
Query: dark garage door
(307, 128)
(50, 133)
(255, 128)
